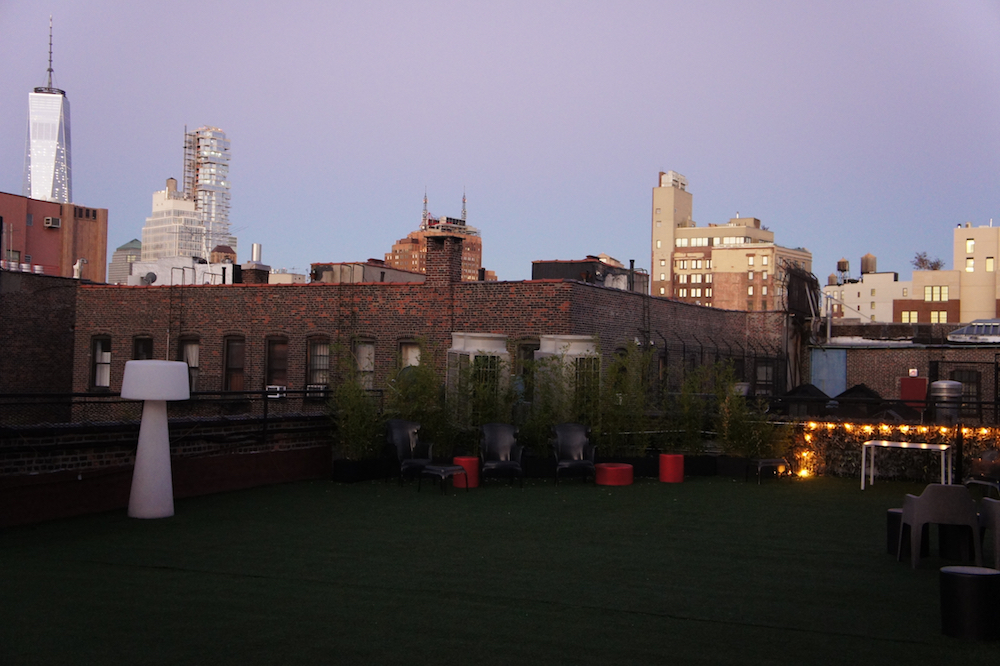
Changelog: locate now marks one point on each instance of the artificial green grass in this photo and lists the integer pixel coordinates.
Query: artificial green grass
(709, 571)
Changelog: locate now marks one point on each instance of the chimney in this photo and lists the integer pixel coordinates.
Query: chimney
(444, 259)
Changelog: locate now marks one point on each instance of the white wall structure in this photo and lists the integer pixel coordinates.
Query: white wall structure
(170, 271)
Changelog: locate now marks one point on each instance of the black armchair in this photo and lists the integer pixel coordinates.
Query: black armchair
(499, 451)
(401, 437)
(573, 450)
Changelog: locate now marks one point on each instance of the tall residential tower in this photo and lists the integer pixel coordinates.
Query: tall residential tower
(206, 181)
(47, 163)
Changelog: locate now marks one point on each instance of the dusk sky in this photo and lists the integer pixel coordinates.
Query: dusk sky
(847, 127)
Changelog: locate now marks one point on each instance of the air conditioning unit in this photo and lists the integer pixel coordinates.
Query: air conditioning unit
(53, 222)
(316, 390)
(275, 391)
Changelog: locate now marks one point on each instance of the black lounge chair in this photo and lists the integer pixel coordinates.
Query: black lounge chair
(412, 456)
(573, 450)
(499, 451)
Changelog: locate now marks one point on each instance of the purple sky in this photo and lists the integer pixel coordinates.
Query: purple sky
(847, 127)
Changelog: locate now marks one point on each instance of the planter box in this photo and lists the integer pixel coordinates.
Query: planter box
(700, 465)
(733, 466)
(352, 471)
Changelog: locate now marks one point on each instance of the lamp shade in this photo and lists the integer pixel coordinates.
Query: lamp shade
(155, 380)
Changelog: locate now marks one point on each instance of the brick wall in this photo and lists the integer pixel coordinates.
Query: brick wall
(388, 314)
(37, 319)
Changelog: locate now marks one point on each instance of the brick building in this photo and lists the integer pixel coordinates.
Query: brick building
(410, 253)
(255, 335)
(50, 238)
(736, 266)
(888, 357)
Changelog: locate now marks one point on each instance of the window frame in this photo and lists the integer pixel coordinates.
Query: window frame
(317, 363)
(184, 345)
(100, 368)
(234, 363)
(142, 348)
(276, 362)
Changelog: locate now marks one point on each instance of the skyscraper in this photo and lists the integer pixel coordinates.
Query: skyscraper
(174, 228)
(47, 164)
(206, 181)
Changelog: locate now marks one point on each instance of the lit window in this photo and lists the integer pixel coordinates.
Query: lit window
(873, 292)
(364, 356)
(663, 262)
(409, 354)
(904, 292)
(989, 265)
(659, 244)
(750, 275)
(970, 265)
(872, 306)
(939, 316)
(750, 290)
(763, 290)
(189, 354)
(763, 275)
(708, 277)
(100, 375)
(970, 245)
(683, 278)
(662, 291)
(683, 293)
(750, 260)
(763, 260)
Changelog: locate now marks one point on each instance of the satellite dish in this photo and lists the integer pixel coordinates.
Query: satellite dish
(149, 278)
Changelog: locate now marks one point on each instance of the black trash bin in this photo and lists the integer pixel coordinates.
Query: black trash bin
(969, 607)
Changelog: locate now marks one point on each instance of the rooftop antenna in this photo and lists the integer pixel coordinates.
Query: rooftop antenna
(423, 219)
(463, 204)
(50, 51)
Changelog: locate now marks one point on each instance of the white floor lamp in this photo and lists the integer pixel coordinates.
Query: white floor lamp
(155, 382)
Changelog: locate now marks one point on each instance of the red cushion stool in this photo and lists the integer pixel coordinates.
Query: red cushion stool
(613, 474)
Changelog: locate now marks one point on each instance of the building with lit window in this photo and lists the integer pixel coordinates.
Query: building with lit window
(47, 157)
(736, 266)
(174, 227)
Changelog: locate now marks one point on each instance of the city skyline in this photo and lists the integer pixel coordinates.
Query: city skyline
(849, 127)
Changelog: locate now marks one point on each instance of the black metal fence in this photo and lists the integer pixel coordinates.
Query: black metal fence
(32, 410)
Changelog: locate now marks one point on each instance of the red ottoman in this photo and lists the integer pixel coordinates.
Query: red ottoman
(671, 468)
(613, 474)
(471, 465)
